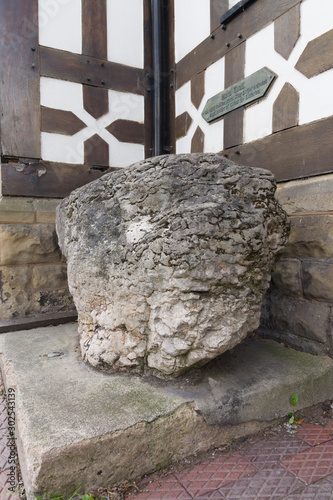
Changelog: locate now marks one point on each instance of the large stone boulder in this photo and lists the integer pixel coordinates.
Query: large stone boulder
(169, 259)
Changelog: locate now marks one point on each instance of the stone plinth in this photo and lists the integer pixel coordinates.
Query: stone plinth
(77, 428)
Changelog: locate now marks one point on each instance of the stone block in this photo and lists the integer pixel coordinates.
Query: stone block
(49, 276)
(309, 195)
(311, 236)
(318, 280)
(46, 210)
(15, 293)
(169, 260)
(14, 210)
(49, 301)
(77, 428)
(28, 244)
(286, 277)
(300, 317)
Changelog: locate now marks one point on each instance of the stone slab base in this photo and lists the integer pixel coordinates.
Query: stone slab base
(76, 427)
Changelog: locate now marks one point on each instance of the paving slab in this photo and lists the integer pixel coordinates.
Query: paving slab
(76, 427)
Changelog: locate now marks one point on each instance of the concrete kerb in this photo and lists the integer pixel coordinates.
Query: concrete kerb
(77, 427)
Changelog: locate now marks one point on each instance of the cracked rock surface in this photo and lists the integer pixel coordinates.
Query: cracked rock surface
(169, 259)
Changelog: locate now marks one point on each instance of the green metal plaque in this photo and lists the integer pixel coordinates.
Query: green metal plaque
(250, 89)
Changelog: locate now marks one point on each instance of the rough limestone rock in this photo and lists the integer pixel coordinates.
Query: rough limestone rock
(169, 259)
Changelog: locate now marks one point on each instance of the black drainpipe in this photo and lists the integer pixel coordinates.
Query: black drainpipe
(161, 76)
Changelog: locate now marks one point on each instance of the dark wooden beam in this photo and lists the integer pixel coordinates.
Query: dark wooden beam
(94, 28)
(16, 325)
(19, 77)
(198, 141)
(96, 151)
(317, 56)
(95, 101)
(286, 108)
(234, 121)
(90, 71)
(287, 31)
(183, 123)
(253, 19)
(217, 9)
(233, 128)
(127, 131)
(235, 10)
(302, 151)
(46, 179)
(58, 121)
(197, 89)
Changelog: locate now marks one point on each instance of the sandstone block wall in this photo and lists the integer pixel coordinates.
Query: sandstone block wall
(33, 273)
(299, 305)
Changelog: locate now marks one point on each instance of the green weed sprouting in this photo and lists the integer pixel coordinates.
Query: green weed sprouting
(291, 415)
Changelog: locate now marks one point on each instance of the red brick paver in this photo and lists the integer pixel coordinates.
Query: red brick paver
(3, 411)
(266, 452)
(284, 467)
(269, 484)
(167, 488)
(215, 473)
(316, 434)
(312, 465)
(322, 490)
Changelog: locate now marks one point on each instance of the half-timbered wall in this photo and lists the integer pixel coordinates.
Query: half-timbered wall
(75, 102)
(288, 131)
(294, 40)
(74, 96)
(86, 118)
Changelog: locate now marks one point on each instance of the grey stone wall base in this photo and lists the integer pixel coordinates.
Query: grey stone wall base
(299, 307)
(77, 427)
(294, 341)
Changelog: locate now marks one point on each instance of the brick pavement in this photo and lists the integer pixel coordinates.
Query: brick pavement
(284, 466)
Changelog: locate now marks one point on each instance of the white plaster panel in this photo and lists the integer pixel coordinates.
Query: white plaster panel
(192, 25)
(60, 94)
(68, 96)
(182, 104)
(125, 106)
(214, 137)
(316, 100)
(125, 32)
(63, 148)
(232, 3)
(258, 117)
(124, 154)
(259, 50)
(183, 98)
(214, 79)
(60, 24)
(316, 17)
(214, 83)
(183, 145)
